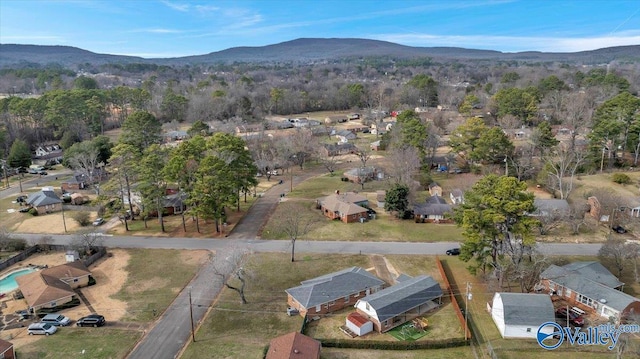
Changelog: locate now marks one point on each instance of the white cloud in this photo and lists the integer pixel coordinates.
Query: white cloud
(206, 8)
(514, 43)
(176, 6)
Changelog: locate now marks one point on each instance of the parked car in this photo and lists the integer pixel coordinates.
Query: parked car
(453, 251)
(92, 320)
(619, 229)
(24, 209)
(41, 329)
(42, 173)
(574, 318)
(56, 319)
(24, 314)
(98, 221)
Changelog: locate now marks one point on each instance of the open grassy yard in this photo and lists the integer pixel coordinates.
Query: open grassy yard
(384, 227)
(155, 277)
(94, 343)
(233, 330)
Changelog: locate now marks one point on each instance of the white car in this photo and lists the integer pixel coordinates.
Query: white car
(41, 329)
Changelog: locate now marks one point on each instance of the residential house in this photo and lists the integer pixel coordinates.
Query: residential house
(356, 129)
(249, 128)
(435, 189)
(456, 196)
(400, 303)
(174, 203)
(344, 136)
(357, 324)
(333, 291)
(45, 201)
(348, 207)
(362, 174)
(591, 287)
(293, 346)
(376, 146)
(6, 350)
(519, 315)
(433, 210)
(75, 183)
(550, 207)
(172, 136)
(380, 128)
(338, 149)
(336, 119)
(51, 287)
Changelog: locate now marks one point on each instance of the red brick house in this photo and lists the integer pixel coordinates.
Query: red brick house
(591, 287)
(333, 291)
(293, 346)
(347, 207)
(6, 350)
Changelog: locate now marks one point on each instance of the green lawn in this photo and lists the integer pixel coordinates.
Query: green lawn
(155, 277)
(325, 185)
(384, 228)
(233, 330)
(97, 343)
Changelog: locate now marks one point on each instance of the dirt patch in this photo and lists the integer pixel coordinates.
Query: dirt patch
(148, 284)
(47, 223)
(198, 256)
(539, 192)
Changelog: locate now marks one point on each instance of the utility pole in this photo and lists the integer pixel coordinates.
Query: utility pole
(467, 298)
(193, 334)
(64, 222)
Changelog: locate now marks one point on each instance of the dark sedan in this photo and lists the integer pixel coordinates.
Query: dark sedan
(92, 320)
(453, 252)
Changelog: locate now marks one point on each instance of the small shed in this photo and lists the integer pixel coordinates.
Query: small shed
(71, 256)
(358, 324)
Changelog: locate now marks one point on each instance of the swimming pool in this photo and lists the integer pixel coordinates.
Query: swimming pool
(8, 282)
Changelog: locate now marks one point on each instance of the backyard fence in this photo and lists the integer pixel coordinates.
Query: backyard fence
(18, 257)
(100, 252)
(454, 302)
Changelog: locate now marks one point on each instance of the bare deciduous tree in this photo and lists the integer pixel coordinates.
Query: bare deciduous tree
(561, 166)
(404, 162)
(294, 221)
(617, 252)
(228, 265)
(86, 241)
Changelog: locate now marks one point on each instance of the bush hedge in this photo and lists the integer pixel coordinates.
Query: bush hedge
(386, 345)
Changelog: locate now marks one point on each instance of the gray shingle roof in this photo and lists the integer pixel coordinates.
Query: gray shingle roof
(546, 207)
(590, 288)
(527, 309)
(595, 271)
(403, 296)
(43, 198)
(333, 286)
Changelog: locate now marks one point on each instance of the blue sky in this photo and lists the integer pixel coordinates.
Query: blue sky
(169, 28)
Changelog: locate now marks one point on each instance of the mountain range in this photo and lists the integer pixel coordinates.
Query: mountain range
(305, 50)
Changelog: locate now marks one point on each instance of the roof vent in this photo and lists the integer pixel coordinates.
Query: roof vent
(296, 351)
(603, 301)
